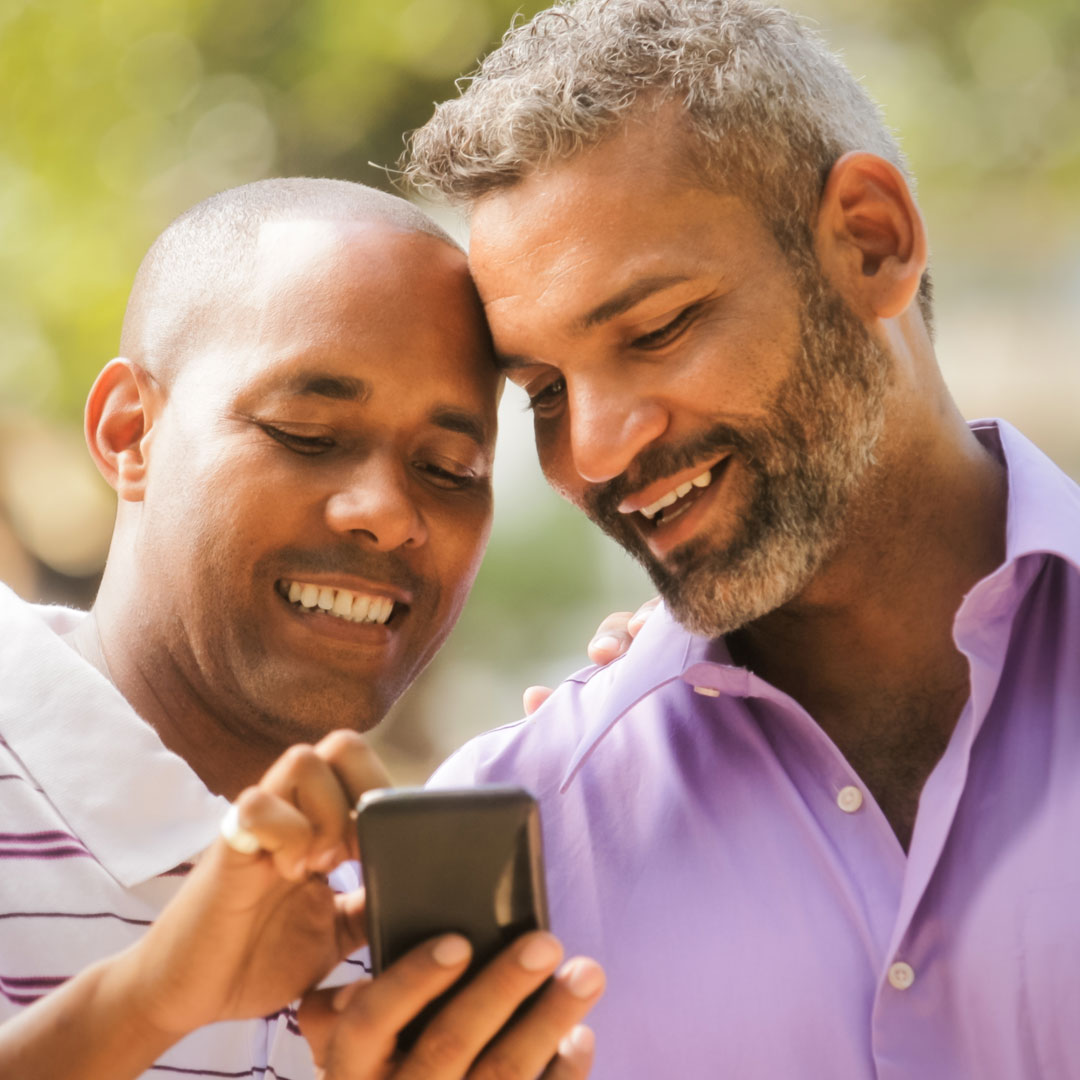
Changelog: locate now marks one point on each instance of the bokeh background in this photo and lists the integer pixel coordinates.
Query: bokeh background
(116, 115)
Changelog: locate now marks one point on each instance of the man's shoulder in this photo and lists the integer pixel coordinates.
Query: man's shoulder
(542, 750)
(535, 750)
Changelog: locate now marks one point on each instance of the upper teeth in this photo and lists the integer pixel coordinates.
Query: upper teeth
(701, 481)
(344, 603)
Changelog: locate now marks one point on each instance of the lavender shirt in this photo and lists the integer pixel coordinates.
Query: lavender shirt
(754, 911)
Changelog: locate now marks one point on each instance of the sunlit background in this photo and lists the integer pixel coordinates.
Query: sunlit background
(116, 115)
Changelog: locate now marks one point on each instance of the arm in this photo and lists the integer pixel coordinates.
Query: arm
(245, 935)
(250, 932)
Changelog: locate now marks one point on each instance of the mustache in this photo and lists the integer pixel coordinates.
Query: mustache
(375, 565)
(602, 500)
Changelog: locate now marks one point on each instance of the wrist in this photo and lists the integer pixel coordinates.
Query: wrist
(132, 994)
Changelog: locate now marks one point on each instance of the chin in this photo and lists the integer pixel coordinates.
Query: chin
(713, 593)
(285, 717)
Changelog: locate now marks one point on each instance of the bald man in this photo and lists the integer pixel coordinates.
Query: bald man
(300, 432)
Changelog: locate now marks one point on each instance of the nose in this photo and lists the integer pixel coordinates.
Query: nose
(374, 502)
(609, 426)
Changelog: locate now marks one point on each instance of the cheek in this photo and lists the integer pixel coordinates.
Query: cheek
(555, 457)
(461, 552)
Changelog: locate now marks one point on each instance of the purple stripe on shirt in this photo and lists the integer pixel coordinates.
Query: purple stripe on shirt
(255, 1070)
(289, 1013)
(31, 837)
(20, 999)
(73, 915)
(180, 870)
(44, 853)
(46, 982)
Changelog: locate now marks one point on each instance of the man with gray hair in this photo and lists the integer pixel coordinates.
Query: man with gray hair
(817, 823)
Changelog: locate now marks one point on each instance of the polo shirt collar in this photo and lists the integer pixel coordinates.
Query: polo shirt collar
(139, 808)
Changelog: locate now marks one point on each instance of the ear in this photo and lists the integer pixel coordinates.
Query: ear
(120, 411)
(871, 240)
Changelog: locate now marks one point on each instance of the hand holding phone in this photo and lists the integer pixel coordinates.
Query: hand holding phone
(435, 862)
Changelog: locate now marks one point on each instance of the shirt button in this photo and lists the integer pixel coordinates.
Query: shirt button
(706, 691)
(901, 975)
(849, 799)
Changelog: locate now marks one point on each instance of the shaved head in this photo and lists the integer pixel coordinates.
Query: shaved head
(197, 271)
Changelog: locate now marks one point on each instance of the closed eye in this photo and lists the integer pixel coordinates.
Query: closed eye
(667, 333)
(309, 445)
(446, 478)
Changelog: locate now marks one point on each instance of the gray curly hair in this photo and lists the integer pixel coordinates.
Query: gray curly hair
(769, 109)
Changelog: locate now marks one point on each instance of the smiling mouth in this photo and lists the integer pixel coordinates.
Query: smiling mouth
(674, 503)
(347, 604)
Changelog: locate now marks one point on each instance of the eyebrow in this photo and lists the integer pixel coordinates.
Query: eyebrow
(335, 387)
(616, 305)
(627, 298)
(464, 423)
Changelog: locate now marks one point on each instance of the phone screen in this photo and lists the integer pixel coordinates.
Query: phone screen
(435, 862)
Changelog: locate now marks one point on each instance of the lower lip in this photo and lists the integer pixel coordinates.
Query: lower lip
(664, 538)
(319, 622)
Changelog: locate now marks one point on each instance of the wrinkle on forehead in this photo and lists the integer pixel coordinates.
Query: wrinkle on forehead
(550, 277)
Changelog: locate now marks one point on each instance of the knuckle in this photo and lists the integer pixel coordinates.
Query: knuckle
(296, 761)
(341, 742)
(497, 1066)
(298, 757)
(250, 800)
(440, 1046)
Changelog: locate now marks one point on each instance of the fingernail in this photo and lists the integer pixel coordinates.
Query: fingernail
(581, 978)
(543, 951)
(607, 644)
(450, 951)
(578, 1042)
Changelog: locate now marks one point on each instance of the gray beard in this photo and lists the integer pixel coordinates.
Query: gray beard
(805, 463)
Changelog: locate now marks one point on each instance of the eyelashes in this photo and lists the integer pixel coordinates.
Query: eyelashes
(547, 396)
(669, 331)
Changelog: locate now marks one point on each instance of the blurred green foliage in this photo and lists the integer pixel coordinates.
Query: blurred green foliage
(117, 114)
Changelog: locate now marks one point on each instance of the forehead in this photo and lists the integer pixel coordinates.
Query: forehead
(360, 300)
(579, 230)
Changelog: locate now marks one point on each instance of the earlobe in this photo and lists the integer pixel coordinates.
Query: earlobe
(120, 410)
(870, 236)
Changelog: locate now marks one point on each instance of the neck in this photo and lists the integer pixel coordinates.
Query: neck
(877, 619)
(227, 755)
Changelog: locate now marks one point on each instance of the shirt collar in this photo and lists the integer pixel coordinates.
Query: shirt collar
(662, 652)
(139, 808)
(1044, 504)
(1042, 517)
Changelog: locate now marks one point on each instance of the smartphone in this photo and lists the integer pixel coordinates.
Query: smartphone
(435, 862)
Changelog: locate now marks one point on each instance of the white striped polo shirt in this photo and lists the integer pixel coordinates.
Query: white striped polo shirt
(99, 823)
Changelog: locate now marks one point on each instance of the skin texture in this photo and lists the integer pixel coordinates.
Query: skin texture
(332, 423)
(644, 314)
(250, 932)
(339, 432)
